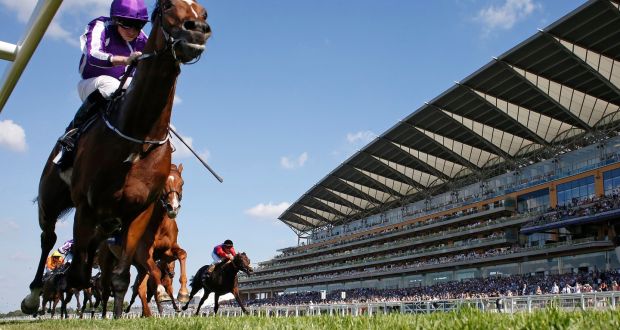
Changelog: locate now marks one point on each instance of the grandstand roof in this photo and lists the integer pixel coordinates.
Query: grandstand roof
(559, 86)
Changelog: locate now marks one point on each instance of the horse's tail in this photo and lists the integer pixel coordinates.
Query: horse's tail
(196, 279)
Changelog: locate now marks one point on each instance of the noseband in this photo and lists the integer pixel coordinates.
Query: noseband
(164, 197)
(170, 41)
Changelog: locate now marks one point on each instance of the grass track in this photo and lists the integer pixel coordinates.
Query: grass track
(466, 319)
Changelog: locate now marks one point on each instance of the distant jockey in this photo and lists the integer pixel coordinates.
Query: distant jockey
(222, 253)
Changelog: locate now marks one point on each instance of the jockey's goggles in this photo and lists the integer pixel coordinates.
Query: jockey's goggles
(129, 24)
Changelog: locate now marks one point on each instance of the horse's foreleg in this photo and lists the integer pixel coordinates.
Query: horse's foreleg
(54, 304)
(195, 288)
(65, 298)
(155, 275)
(181, 255)
(106, 264)
(202, 300)
(235, 293)
(134, 291)
(216, 303)
(120, 274)
(167, 283)
(30, 304)
(84, 232)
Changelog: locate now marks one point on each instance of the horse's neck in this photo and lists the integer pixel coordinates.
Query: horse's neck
(147, 107)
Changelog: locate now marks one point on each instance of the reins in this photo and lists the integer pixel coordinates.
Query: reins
(170, 46)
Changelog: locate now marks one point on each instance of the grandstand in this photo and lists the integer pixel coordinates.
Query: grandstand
(513, 171)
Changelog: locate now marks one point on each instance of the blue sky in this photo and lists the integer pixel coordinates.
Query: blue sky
(286, 91)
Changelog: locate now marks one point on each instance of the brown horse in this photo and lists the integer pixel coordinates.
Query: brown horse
(158, 242)
(123, 160)
(146, 288)
(221, 281)
(55, 289)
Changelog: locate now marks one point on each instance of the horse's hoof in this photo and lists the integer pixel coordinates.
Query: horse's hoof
(183, 297)
(30, 304)
(163, 297)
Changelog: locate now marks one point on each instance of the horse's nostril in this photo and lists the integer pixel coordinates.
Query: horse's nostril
(189, 25)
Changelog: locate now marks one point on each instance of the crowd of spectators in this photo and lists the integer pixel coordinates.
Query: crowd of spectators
(577, 208)
(515, 285)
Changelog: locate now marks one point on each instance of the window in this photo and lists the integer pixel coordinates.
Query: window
(576, 190)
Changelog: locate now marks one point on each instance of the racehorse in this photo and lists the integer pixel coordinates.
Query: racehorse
(146, 288)
(55, 289)
(158, 242)
(94, 290)
(123, 159)
(222, 280)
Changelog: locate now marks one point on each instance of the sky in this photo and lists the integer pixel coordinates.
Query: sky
(285, 92)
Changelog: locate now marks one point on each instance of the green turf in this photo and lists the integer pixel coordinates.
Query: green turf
(466, 319)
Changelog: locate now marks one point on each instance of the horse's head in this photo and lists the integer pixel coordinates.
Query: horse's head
(184, 26)
(173, 191)
(242, 262)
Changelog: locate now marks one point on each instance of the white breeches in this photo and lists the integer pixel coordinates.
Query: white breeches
(105, 84)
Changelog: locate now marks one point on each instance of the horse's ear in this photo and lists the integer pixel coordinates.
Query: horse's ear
(180, 168)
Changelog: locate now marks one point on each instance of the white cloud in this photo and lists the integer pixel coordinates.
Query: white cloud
(361, 137)
(506, 15)
(12, 136)
(267, 211)
(291, 163)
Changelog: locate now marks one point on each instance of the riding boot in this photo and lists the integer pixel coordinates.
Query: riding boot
(68, 141)
(85, 112)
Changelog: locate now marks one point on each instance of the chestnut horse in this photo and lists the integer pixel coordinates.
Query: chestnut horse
(122, 160)
(221, 281)
(158, 242)
(146, 288)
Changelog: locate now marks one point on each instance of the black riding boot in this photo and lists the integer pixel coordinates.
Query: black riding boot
(85, 112)
(68, 141)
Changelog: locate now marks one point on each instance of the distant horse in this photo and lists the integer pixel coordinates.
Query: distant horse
(123, 159)
(223, 280)
(92, 291)
(55, 289)
(146, 288)
(158, 242)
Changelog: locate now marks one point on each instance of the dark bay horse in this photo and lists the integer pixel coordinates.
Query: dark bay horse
(223, 280)
(92, 291)
(55, 289)
(158, 242)
(123, 159)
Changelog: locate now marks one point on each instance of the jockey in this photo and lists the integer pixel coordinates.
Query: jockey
(222, 252)
(65, 250)
(109, 45)
(54, 261)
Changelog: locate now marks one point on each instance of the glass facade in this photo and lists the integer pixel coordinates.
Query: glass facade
(611, 181)
(534, 201)
(576, 190)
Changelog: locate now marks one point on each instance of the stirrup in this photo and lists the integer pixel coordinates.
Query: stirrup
(67, 140)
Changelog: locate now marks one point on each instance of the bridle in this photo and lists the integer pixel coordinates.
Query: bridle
(164, 197)
(170, 44)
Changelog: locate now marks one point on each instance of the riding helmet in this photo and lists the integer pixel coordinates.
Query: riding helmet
(129, 9)
(228, 242)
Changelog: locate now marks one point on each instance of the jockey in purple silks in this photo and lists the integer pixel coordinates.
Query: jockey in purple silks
(65, 250)
(109, 45)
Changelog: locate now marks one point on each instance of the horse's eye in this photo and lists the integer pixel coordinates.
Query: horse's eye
(204, 16)
(167, 5)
